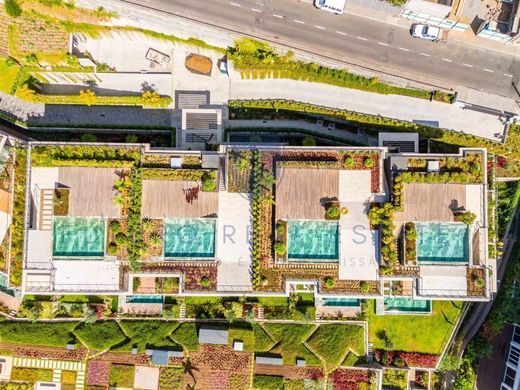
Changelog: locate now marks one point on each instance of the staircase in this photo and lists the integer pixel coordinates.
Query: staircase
(222, 174)
(370, 353)
(56, 376)
(260, 315)
(46, 209)
(182, 311)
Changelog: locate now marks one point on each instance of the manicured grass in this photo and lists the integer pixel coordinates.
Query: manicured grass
(267, 382)
(273, 301)
(144, 334)
(289, 339)
(333, 341)
(171, 378)
(122, 375)
(201, 300)
(254, 337)
(100, 335)
(414, 333)
(8, 75)
(57, 334)
(306, 299)
(31, 374)
(186, 334)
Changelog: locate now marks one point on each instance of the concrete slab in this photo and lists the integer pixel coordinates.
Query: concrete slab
(86, 275)
(146, 378)
(443, 281)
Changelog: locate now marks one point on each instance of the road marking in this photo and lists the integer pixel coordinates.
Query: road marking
(320, 27)
(299, 21)
(404, 49)
(278, 16)
(235, 4)
(508, 75)
(362, 38)
(383, 44)
(341, 33)
(425, 54)
(488, 70)
(468, 65)
(446, 59)
(256, 10)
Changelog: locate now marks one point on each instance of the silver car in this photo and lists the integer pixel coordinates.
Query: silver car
(424, 31)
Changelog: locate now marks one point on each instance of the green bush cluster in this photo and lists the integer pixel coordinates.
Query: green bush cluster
(256, 205)
(135, 243)
(83, 155)
(466, 217)
(12, 8)
(18, 219)
(256, 59)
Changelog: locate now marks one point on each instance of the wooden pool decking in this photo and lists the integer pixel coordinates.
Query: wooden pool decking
(168, 199)
(91, 191)
(300, 192)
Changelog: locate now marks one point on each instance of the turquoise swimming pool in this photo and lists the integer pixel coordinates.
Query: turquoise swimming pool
(442, 242)
(193, 238)
(407, 305)
(312, 241)
(78, 237)
(343, 302)
(144, 299)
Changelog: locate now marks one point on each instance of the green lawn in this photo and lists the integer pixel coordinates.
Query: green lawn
(144, 334)
(252, 334)
(56, 334)
(187, 335)
(414, 333)
(100, 335)
(122, 375)
(333, 341)
(8, 75)
(267, 382)
(289, 339)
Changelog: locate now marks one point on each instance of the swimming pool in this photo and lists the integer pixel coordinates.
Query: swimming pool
(144, 299)
(193, 237)
(407, 305)
(442, 242)
(78, 237)
(312, 241)
(343, 302)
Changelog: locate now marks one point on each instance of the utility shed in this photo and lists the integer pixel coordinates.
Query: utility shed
(275, 360)
(213, 335)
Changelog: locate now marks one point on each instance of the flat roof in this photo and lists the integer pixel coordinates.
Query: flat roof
(213, 335)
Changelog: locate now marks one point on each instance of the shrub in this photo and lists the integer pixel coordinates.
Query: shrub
(171, 378)
(467, 217)
(112, 249)
(329, 282)
(155, 239)
(280, 229)
(12, 8)
(480, 282)
(267, 382)
(280, 248)
(209, 185)
(309, 141)
(364, 287)
(368, 162)
(121, 238)
(114, 227)
(348, 162)
(88, 97)
(131, 139)
(88, 137)
(332, 212)
(205, 282)
(122, 375)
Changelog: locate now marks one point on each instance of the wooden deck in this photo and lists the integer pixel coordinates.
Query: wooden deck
(5, 201)
(167, 199)
(91, 191)
(431, 202)
(300, 192)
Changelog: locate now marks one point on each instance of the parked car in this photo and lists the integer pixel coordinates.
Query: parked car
(334, 6)
(423, 31)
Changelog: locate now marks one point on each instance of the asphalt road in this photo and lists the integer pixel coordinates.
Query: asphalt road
(355, 39)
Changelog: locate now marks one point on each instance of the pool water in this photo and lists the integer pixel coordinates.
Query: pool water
(194, 237)
(442, 242)
(144, 299)
(78, 237)
(312, 241)
(407, 305)
(343, 302)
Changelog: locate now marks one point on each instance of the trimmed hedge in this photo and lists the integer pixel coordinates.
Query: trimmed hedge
(186, 335)
(100, 335)
(56, 334)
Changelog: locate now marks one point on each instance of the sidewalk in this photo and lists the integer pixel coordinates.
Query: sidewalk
(450, 117)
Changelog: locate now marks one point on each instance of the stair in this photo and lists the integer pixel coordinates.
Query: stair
(182, 312)
(56, 376)
(222, 174)
(370, 353)
(46, 209)
(260, 315)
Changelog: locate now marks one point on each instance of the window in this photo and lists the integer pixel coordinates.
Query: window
(514, 355)
(509, 377)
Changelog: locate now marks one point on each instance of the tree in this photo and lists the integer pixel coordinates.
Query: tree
(12, 8)
(87, 97)
(466, 217)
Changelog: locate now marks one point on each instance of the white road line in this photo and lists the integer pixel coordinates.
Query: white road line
(383, 44)
(468, 65)
(488, 70)
(508, 75)
(256, 10)
(446, 59)
(404, 49)
(299, 21)
(320, 27)
(235, 4)
(341, 33)
(425, 54)
(362, 38)
(278, 16)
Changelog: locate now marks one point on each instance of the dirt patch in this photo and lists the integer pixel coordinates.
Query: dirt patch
(196, 63)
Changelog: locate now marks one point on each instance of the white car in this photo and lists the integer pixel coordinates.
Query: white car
(424, 31)
(334, 6)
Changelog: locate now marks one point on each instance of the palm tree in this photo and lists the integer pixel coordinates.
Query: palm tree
(189, 368)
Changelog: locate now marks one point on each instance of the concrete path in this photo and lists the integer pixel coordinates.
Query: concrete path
(57, 366)
(448, 116)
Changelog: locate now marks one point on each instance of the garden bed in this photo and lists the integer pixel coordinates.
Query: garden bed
(476, 281)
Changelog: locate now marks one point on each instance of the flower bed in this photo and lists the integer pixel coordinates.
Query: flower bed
(405, 359)
(346, 379)
(171, 378)
(153, 238)
(239, 171)
(98, 373)
(194, 273)
(476, 281)
(45, 352)
(221, 358)
(410, 236)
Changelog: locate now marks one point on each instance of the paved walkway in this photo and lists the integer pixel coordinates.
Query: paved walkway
(448, 116)
(57, 366)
